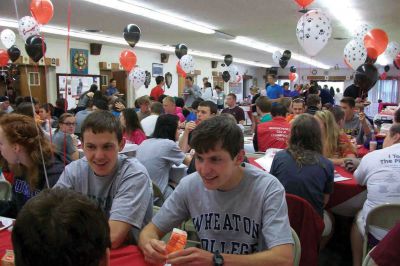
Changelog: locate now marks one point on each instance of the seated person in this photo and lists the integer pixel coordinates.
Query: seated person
(303, 170)
(170, 108)
(61, 106)
(338, 113)
(64, 228)
(81, 116)
(238, 210)
(298, 108)
(233, 109)
(85, 97)
(160, 152)
(336, 144)
(133, 131)
(117, 106)
(47, 121)
(148, 123)
(144, 107)
(355, 124)
(313, 104)
(64, 139)
(272, 134)
(120, 185)
(379, 171)
(22, 145)
(192, 116)
(263, 107)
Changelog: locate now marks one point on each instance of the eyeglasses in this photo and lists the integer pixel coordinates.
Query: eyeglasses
(69, 124)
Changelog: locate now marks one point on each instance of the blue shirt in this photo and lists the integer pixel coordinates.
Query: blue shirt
(111, 90)
(274, 91)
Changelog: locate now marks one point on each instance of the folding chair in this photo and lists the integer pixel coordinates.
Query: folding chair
(158, 197)
(297, 248)
(368, 261)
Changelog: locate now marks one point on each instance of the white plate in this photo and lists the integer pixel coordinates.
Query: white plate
(7, 222)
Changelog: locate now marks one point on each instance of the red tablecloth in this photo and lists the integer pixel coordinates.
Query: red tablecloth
(129, 255)
(342, 191)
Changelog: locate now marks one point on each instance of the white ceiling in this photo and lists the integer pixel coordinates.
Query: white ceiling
(270, 21)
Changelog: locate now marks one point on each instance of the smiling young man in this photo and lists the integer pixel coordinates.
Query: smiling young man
(120, 185)
(236, 208)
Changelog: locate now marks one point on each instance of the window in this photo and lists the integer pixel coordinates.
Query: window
(34, 79)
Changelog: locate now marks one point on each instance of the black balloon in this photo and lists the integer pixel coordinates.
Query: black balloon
(168, 79)
(132, 34)
(228, 59)
(35, 47)
(147, 79)
(387, 68)
(283, 63)
(14, 53)
(293, 69)
(370, 60)
(286, 55)
(366, 77)
(181, 50)
(226, 76)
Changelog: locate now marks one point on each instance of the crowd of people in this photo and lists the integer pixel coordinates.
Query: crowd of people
(64, 160)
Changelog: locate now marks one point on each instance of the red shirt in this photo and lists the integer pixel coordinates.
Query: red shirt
(272, 134)
(156, 92)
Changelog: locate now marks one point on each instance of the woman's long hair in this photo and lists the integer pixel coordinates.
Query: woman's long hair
(331, 133)
(166, 126)
(22, 130)
(305, 143)
(131, 120)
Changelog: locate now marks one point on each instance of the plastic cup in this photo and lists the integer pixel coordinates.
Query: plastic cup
(372, 145)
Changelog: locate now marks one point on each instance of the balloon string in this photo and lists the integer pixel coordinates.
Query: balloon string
(37, 126)
(16, 9)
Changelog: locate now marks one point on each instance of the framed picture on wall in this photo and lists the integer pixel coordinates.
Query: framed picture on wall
(79, 61)
(157, 70)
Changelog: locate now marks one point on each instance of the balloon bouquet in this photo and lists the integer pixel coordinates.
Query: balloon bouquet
(186, 62)
(282, 58)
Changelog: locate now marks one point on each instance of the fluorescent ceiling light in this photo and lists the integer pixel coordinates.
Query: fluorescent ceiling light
(152, 14)
(345, 13)
(271, 49)
(120, 41)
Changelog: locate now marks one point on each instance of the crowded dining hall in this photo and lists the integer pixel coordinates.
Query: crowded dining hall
(199, 132)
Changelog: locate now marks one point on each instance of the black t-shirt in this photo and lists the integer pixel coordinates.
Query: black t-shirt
(354, 92)
(326, 97)
(253, 101)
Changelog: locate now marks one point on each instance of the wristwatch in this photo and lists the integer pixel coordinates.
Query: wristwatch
(218, 259)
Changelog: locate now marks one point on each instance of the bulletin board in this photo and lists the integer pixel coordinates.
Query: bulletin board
(75, 85)
(236, 88)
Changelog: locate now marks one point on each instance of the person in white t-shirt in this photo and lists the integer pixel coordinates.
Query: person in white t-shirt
(149, 123)
(380, 172)
(338, 96)
(208, 93)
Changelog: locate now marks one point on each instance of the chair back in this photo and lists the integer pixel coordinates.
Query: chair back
(158, 197)
(308, 225)
(5, 190)
(297, 248)
(368, 261)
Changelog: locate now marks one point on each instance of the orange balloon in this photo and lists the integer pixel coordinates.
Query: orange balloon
(3, 57)
(304, 3)
(127, 59)
(376, 42)
(42, 10)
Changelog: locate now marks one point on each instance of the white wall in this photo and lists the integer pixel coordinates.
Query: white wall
(58, 48)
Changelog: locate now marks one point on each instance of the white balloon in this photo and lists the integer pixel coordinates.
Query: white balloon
(7, 37)
(276, 56)
(355, 53)
(27, 27)
(187, 63)
(313, 31)
(392, 50)
(361, 31)
(138, 77)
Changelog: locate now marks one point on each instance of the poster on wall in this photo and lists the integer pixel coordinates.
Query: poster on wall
(157, 70)
(74, 86)
(236, 88)
(79, 61)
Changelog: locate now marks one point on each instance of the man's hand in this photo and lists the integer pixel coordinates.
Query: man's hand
(119, 106)
(154, 252)
(351, 164)
(190, 126)
(90, 94)
(361, 116)
(191, 256)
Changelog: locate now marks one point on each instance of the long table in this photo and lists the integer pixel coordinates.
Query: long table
(128, 255)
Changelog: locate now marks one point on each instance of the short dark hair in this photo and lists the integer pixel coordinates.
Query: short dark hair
(189, 78)
(278, 109)
(93, 88)
(285, 84)
(166, 126)
(111, 80)
(159, 79)
(264, 104)
(156, 108)
(338, 113)
(25, 108)
(60, 227)
(397, 116)
(101, 103)
(232, 95)
(213, 106)
(102, 121)
(394, 129)
(349, 101)
(208, 85)
(272, 76)
(313, 90)
(217, 131)
(218, 88)
(195, 104)
(161, 98)
(313, 100)
(143, 100)
(179, 102)
(60, 103)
